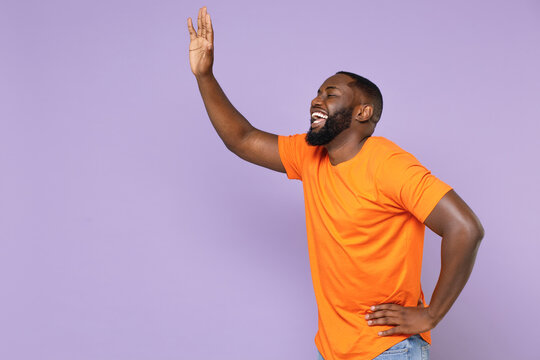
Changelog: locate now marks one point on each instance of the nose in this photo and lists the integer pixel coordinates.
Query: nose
(317, 102)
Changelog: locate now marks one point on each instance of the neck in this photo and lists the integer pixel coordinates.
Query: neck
(345, 147)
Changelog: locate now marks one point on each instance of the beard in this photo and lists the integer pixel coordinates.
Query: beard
(333, 126)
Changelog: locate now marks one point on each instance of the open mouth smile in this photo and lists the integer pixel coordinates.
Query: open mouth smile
(318, 119)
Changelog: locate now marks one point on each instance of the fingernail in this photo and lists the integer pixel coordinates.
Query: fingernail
(373, 308)
(370, 322)
(367, 316)
(380, 334)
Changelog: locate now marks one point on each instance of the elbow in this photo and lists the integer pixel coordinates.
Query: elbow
(231, 147)
(468, 229)
(480, 232)
(476, 229)
(234, 146)
(239, 145)
(473, 231)
(237, 150)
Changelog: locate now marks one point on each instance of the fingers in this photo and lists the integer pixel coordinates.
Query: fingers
(209, 29)
(393, 331)
(406, 320)
(192, 33)
(204, 26)
(382, 313)
(385, 314)
(386, 307)
(199, 22)
(203, 22)
(384, 321)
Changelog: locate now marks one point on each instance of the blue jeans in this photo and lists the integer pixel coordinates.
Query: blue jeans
(412, 348)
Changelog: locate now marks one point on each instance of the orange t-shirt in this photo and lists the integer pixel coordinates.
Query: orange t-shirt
(365, 234)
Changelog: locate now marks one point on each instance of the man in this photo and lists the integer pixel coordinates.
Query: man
(367, 205)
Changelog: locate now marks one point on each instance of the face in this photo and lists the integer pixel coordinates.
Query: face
(323, 131)
(332, 110)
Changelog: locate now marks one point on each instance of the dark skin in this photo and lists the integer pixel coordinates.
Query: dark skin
(452, 219)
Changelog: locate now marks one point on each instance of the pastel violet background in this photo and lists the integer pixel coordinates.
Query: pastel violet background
(128, 231)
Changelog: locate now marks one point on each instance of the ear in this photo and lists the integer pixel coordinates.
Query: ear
(362, 113)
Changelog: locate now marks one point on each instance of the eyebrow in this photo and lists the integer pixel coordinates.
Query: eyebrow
(329, 87)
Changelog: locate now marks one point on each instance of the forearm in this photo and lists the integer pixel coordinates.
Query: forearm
(458, 253)
(230, 125)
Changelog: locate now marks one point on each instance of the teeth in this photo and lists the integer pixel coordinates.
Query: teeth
(318, 114)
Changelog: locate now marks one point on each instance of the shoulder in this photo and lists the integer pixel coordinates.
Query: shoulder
(384, 146)
(298, 143)
(390, 160)
(296, 139)
(384, 151)
(296, 147)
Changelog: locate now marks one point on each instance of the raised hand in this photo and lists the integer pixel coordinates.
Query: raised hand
(201, 46)
(238, 135)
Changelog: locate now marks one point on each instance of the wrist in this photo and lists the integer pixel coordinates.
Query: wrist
(433, 317)
(204, 76)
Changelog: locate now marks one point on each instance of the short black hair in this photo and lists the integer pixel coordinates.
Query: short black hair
(370, 90)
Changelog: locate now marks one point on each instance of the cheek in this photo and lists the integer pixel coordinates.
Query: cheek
(335, 108)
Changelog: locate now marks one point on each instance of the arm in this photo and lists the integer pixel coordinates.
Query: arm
(238, 135)
(461, 233)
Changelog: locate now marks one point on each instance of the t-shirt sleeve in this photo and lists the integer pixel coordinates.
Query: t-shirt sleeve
(292, 150)
(405, 181)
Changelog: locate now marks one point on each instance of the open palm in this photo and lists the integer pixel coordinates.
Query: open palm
(201, 46)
